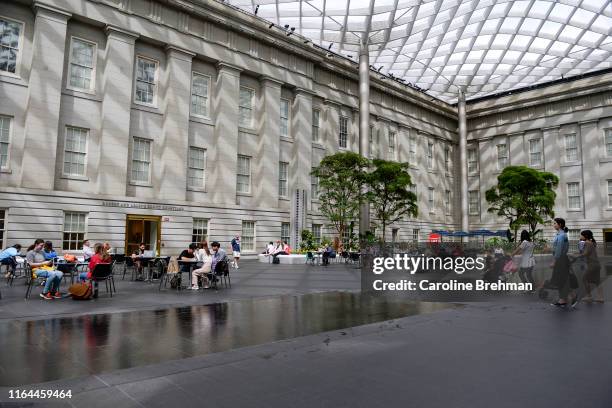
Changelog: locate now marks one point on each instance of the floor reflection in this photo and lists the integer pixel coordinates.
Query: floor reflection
(52, 349)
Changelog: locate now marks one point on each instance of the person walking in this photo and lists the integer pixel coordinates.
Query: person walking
(236, 251)
(593, 267)
(561, 265)
(527, 262)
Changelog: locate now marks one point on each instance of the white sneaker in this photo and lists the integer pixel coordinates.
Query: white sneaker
(194, 288)
(237, 267)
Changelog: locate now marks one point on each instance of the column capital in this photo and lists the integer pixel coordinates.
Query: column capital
(229, 68)
(269, 81)
(332, 103)
(304, 92)
(51, 11)
(121, 34)
(178, 52)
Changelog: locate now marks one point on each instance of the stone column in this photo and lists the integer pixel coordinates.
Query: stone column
(44, 97)
(463, 174)
(116, 90)
(552, 163)
(174, 143)
(225, 156)
(593, 192)
(265, 189)
(300, 167)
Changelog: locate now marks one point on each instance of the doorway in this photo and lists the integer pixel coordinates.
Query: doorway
(142, 229)
(607, 233)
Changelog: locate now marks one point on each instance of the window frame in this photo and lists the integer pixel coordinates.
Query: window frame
(412, 151)
(92, 88)
(609, 181)
(567, 148)
(79, 244)
(283, 182)
(140, 182)
(287, 119)
(3, 223)
(87, 133)
(288, 236)
(317, 236)
(191, 94)
(342, 119)
(447, 156)
(431, 199)
(7, 166)
(199, 230)
(569, 197)
(251, 108)
(448, 199)
(155, 83)
(416, 234)
(316, 127)
(240, 174)
(429, 154)
(475, 160)
(244, 238)
(477, 202)
(392, 149)
(531, 153)
(608, 144)
(314, 192)
(505, 157)
(190, 167)
(18, 60)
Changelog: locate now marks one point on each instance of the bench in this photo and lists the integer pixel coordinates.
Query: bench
(284, 259)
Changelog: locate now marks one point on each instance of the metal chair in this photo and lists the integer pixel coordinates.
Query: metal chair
(30, 279)
(119, 261)
(129, 263)
(103, 272)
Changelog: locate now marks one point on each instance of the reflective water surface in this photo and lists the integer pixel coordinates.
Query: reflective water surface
(52, 349)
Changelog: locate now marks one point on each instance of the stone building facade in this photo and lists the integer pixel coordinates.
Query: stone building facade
(166, 121)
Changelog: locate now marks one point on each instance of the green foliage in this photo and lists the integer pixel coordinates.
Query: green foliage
(341, 177)
(388, 192)
(325, 242)
(308, 241)
(524, 196)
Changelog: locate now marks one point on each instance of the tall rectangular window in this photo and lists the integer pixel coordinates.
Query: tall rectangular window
(2, 226)
(247, 240)
(141, 161)
(573, 234)
(196, 168)
(243, 181)
(372, 148)
(200, 85)
(284, 117)
(75, 224)
(343, 136)
(472, 160)
(430, 155)
(394, 234)
(146, 80)
(10, 36)
(447, 154)
(283, 179)
(535, 152)
(392, 155)
(430, 199)
(82, 64)
(448, 202)
(609, 193)
(473, 202)
(571, 148)
(285, 232)
(608, 137)
(574, 198)
(316, 116)
(316, 233)
(245, 107)
(502, 156)
(314, 186)
(5, 140)
(199, 230)
(412, 157)
(415, 234)
(75, 151)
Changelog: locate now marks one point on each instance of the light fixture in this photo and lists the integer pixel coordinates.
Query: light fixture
(271, 25)
(256, 9)
(330, 45)
(286, 26)
(379, 68)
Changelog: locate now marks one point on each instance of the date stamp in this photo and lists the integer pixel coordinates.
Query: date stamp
(39, 394)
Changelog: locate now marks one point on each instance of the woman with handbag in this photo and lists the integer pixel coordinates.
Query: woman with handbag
(593, 270)
(561, 264)
(527, 262)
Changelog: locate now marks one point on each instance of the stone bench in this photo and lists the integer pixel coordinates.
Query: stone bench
(284, 259)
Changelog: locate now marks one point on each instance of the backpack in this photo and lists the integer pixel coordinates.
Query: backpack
(80, 291)
(222, 267)
(175, 281)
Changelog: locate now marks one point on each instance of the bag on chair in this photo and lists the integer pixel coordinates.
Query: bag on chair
(276, 260)
(80, 291)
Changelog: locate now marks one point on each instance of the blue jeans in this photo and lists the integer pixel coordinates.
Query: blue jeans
(54, 278)
(10, 261)
(83, 276)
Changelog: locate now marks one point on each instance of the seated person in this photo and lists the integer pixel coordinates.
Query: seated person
(41, 268)
(107, 248)
(281, 249)
(327, 253)
(218, 256)
(269, 248)
(49, 252)
(136, 257)
(286, 248)
(100, 257)
(202, 251)
(88, 252)
(188, 254)
(7, 257)
(206, 258)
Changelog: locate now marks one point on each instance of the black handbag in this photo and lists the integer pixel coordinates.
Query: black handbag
(275, 260)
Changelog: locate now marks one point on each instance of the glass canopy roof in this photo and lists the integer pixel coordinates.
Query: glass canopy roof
(485, 46)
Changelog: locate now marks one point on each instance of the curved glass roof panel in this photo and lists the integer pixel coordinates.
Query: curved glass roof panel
(484, 46)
